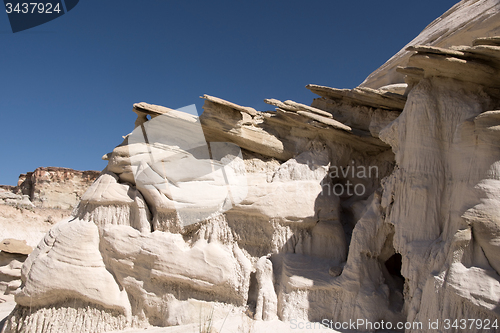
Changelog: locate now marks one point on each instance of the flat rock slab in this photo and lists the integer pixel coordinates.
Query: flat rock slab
(220, 101)
(150, 109)
(493, 41)
(362, 96)
(294, 106)
(11, 245)
(436, 50)
(309, 112)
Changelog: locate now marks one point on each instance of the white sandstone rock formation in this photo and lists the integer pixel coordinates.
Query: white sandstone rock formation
(133, 260)
(370, 204)
(452, 188)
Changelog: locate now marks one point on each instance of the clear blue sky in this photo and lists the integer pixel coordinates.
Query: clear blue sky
(67, 87)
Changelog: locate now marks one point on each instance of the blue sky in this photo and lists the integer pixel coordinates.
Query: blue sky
(67, 87)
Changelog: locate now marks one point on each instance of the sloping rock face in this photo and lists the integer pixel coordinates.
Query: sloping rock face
(372, 206)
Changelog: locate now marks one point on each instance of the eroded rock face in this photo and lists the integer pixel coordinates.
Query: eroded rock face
(369, 204)
(13, 253)
(452, 189)
(53, 187)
